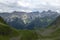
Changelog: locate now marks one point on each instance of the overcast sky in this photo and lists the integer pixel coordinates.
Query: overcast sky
(29, 5)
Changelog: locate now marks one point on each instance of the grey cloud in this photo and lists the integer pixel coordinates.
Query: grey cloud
(39, 5)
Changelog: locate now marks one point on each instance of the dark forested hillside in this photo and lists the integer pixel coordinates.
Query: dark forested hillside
(2, 20)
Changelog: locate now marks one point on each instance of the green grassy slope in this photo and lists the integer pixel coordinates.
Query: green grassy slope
(6, 31)
(52, 32)
(28, 35)
(9, 33)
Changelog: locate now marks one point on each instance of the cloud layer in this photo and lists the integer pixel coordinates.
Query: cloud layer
(29, 5)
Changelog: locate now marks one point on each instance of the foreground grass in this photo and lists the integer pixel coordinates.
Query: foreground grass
(21, 35)
(28, 35)
(4, 37)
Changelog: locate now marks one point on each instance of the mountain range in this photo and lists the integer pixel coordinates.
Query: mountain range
(24, 20)
(9, 33)
(52, 32)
